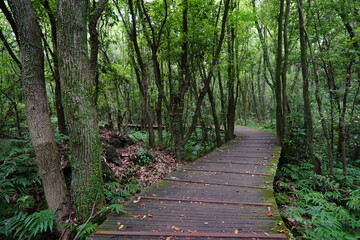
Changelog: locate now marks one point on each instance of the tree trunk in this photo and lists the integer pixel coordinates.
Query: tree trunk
(98, 9)
(308, 124)
(285, 137)
(41, 132)
(58, 97)
(278, 92)
(77, 85)
(230, 116)
(215, 118)
(265, 49)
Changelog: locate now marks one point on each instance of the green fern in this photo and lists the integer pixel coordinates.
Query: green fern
(86, 230)
(40, 222)
(23, 226)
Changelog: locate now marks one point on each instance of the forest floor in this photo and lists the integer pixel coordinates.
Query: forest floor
(128, 161)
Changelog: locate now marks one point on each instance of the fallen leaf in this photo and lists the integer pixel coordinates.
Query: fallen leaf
(118, 223)
(269, 213)
(222, 222)
(169, 238)
(154, 195)
(175, 228)
(281, 231)
(182, 215)
(137, 216)
(154, 230)
(121, 226)
(190, 231)
(236, 231)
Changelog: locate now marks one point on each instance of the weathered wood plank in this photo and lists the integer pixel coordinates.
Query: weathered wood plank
(224, 195)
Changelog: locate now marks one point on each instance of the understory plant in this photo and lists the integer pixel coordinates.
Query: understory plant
(319, 207)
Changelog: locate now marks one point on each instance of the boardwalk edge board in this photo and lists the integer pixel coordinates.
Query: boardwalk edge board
(205, 201)
(196, 234)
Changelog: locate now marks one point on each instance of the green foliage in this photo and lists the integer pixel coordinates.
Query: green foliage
(86, 230)
(143, 158)
(115, 191)
(23, 226)
(321, 207)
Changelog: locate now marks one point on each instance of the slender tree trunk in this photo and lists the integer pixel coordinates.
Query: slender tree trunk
(278, 85)
(97, 10)
(41, 132)
(77, 83)
(222, 99)
(265, 48)
(215, 118)
(209, 75)
(230, 116)
(58, 97)
(307, 106)
(285, 137)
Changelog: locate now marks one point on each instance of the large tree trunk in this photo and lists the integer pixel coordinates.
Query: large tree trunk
(41, 132)
(77, 84)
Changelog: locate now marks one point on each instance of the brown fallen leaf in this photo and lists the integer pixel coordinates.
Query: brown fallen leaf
(182, 215)
(154, 230)
(222, 222)
(190, 231)
(269, 213)
(137, 216)
(281, 231)
(175, 228)
(154, 195)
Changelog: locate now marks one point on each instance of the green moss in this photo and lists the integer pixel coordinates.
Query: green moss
(268, 193)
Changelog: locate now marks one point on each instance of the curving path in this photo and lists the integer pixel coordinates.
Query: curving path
(226, 194)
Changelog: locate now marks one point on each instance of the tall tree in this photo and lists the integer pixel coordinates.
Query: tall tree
(41, 132)
(77, 83)
(278, 72)
(58, 98)
(308, 121)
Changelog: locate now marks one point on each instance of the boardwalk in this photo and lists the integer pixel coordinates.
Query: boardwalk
(227, 194)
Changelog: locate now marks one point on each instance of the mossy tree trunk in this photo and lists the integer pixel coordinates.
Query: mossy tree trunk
(41, 132)
(77, 83)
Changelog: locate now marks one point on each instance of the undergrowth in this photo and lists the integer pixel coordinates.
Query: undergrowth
(24, 213)
(319, 207)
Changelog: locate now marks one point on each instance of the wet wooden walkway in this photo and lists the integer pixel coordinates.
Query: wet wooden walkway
(226, 194)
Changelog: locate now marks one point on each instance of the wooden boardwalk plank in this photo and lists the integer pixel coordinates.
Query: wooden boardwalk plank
(224, 195)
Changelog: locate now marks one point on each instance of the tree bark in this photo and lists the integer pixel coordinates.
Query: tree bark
(77, 84)
(308, 122)
(41, 132)
(98, 9)
(278, 86)
(230, 116)
(56, 75)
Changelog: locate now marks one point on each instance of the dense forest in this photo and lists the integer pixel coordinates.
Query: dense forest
(174, 77)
